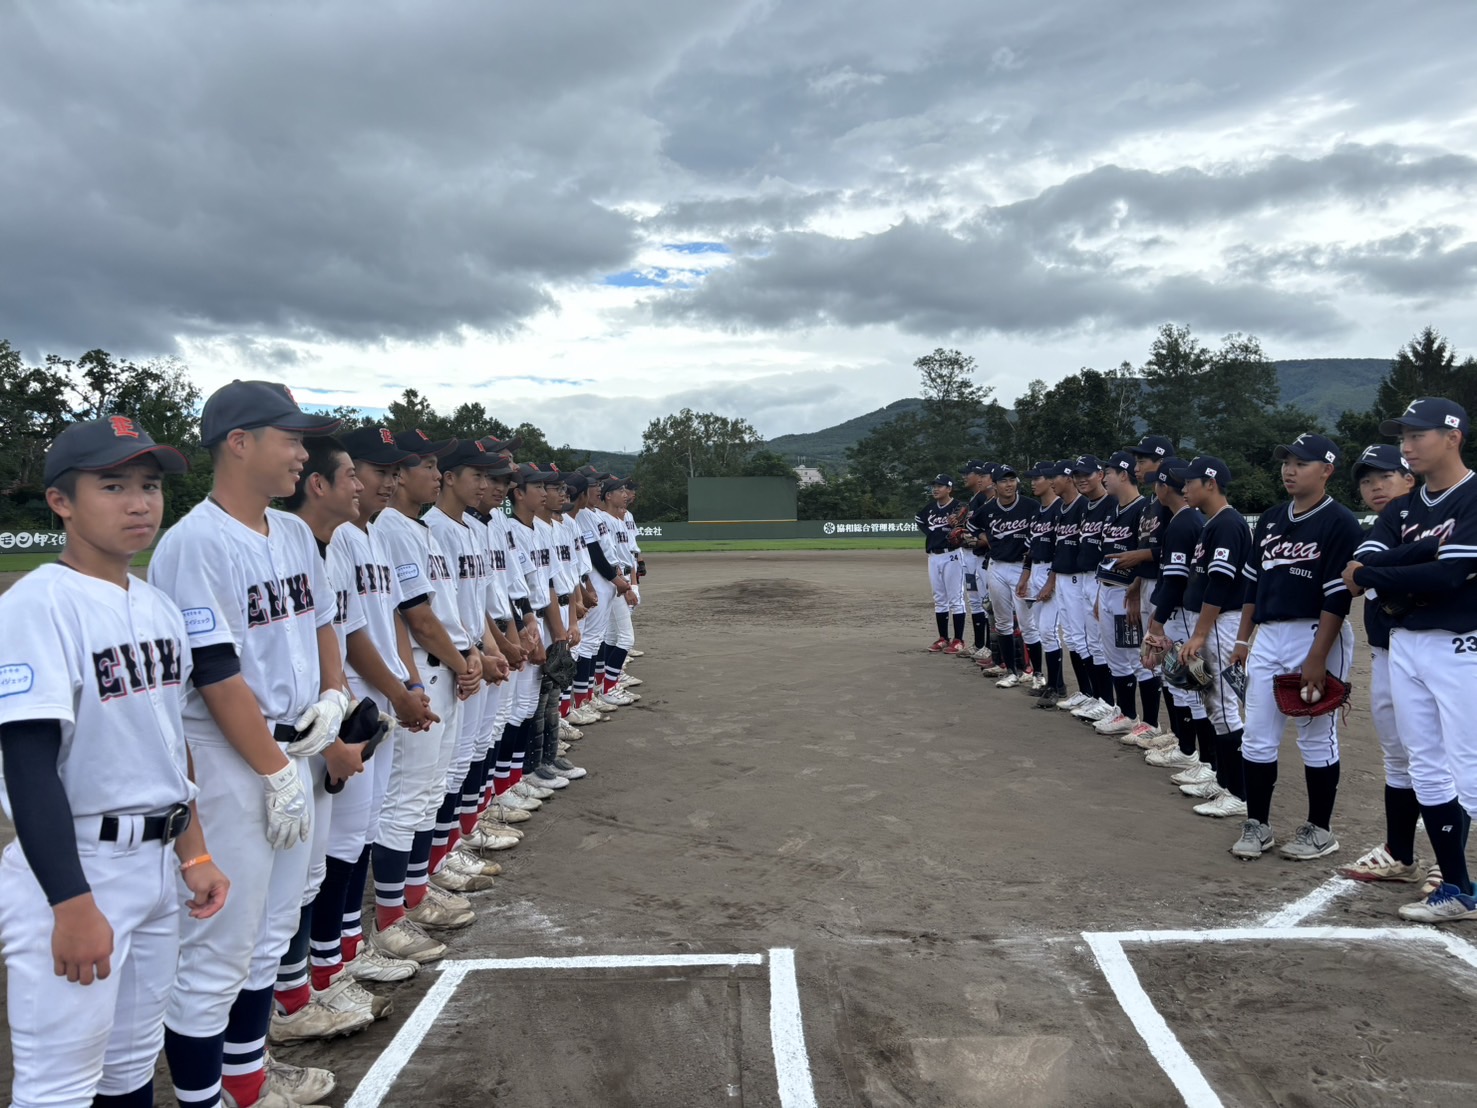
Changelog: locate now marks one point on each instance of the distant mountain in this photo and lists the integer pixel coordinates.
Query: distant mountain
(1328, 387)
(828, 447)
(611, 461)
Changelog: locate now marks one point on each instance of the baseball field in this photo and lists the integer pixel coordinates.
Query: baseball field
(983, 904)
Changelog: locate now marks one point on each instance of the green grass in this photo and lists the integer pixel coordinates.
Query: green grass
(879, 542)
(20, 563)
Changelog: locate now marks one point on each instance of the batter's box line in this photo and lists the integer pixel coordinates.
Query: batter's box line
(1108, 948)
(786, 1028)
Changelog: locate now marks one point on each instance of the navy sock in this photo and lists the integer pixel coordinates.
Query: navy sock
(1102, 682)
(1149, 697)
(1205, 739)
(959, 626)
(390, 867)
(1033, 651)
(327, 929)
(978, 620)
(1182, 728)
(142, 1097)
(1123, 690)
(1082, 671)
(1446, 827)
(1402, 809)
(1228, 764)
(354, 891)
(1054, 679)
(292, 971)
(942, 619)
(194, 1067)
(1261, 780)
(1323, 789)
(246, 1036)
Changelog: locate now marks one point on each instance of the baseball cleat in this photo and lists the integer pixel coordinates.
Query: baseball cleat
(1171, 757)
(405, 941)
(613, 699)
(1091, 708)
(627, 681)
(1069, 703)
(434, 912)
(1009, 681)
(1447, 904)
(506, 809)
(1100, 711)
(1225, 806)
(938, 646)
(955, 647)
(524, 796)
(584, 715)
(1193, 775)
(568, 770)
(1309, 841)
(480, 840)
(464, 861)
(272, 1095)
(1256, 839)
(300, 1084)
(454, 881)
(1140, 735)
(634, 653)
(379, 1007)
(1116, 724)
(333, 1012)
(569, 733)
(994, 669)
(373, 964)
(545, 777)
(1203, 790)
(1038, 683)
(496, 819)
(1049, 701)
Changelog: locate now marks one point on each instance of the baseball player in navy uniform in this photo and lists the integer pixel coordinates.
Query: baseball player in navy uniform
(97, 782)
(1004, 525)
(1068, 590)
(1212, 603)
(938, 520)
(979, 482)
(1192, 755)
(1036, 592)
(1119, 537)
(268, 693)
(1424, 569)
(1299, 605)
(1087, 472)
(1150, 455)
(1381, 474)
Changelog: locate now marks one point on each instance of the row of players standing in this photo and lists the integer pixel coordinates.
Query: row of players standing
(346, 687)
(1089, 567)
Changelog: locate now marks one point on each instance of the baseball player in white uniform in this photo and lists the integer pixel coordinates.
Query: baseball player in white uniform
(620, 636)
(92, 683)
(268, 693)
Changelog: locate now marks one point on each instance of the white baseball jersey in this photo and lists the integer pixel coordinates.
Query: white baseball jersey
(499, 606)
(565, 566)
(112, 667)
(620, 537)
(348, 606)
(467, 554)
(532, 559)
(264, 595)
(500, 537)
(374, 588)
(630, 521)
(422, 568)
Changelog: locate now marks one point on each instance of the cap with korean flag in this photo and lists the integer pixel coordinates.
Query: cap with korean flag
(1205, 467)
(1382, 457)
(1429, 413)
(103, 444)
(1309, 447)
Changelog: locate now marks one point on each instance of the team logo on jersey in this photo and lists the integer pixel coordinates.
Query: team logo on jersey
(123, 427)
(16, 678)
(371, 579)
(341, 606)
(271, 601)
(1284, 552)
(1440, 531)
(437, 568)
(136, 667)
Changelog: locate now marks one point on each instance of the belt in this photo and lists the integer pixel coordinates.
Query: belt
(564, 599)
(624, 570)
(168, 827)
(501, 625)
(284, 733)
(432, 660)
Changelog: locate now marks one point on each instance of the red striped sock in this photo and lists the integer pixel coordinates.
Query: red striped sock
(438, 855)
(385, 918)
(323, 976)
(468, 822)
(349, 947)
(246, 1088)
(414, 894)
(294, 998)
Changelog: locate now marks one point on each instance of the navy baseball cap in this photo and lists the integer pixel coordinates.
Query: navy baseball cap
(1122, 461)
(974, 465)
(1166, 474)
(942, 479)
(1205, 467)
(1003, 471)
(530, 474)
(1154, 446)
(1381, 456)
(471, 452)
(1085, 464)
(577, 483)
(502, 446)
(375, 445)
(247, 405)
(610, 485)
(1309, 447)
(102, 444)
(1041, 469)
(1062, 468)
(420, 444)
(1429, 413)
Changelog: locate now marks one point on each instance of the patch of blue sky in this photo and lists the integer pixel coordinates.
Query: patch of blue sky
(696, 247)
(654, 277)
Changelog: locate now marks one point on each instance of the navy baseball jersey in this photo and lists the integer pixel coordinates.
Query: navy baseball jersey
(1297, 564)
(1090, 533)
(1377, 622)
(1429, 575)
(1068, 534)
(1009, 529)
(1215, 568)
(936, 521)
(1120, 534)
(1043, 534)
(974, 520)
(1178, 542)
(1152, 525)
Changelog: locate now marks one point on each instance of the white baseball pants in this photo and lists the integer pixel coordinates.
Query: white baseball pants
(1433, 674)
(1004, 577)
(1029, 611)
(418, 765)
(1179, 628)
(1279, 648)
(1075, 611)
(1222, 706)
(1382, 709)
(977, 569)
(946, 575)
(1123, 661)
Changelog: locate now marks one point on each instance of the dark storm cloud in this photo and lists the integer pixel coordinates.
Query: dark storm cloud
(342, 170)
(1416, 264)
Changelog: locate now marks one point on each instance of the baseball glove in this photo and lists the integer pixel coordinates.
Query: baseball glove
(560, 666)
(1191, 675)
(363, 725)
(957, 537)
(1288, 689)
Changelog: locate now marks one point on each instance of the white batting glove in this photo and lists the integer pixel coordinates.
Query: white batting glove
(287, 808)
(319, 725)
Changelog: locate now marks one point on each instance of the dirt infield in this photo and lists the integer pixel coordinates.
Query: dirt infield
(802, 776)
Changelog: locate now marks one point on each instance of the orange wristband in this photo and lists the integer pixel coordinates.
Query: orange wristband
(199, 859)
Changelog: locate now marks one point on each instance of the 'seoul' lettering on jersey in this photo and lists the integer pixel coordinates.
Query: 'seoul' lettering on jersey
(136, 667)
(297, 590)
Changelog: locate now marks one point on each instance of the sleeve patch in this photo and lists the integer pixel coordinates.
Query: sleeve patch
(588, 536)
(199, 621)
(408, 572)
(1222, 554)
(16, 678)
(1176, 559)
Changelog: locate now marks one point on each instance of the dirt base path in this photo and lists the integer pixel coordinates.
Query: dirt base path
(801, 775)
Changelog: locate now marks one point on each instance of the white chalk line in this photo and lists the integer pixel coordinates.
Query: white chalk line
(786, 1027)
(1187, 1077)
(1311, 904)
(787, 1033)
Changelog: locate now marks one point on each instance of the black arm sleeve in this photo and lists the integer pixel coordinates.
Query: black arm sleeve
(517, 617)
(413, 602)
(1171, 593)
(43, 816)
(214, 664)
(600, 562)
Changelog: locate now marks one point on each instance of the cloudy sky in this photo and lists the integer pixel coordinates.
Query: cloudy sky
(767, 209)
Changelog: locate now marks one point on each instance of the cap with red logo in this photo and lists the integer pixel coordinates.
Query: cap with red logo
(419, 443)
(102, 444)
(377, 446)
(247, 405)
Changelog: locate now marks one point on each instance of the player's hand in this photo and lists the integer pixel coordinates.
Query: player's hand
(287, 808)
(632, 597)
(1349, 571)
(1193, 647)
(1023, 590)
(1314, 673)
(1156, 633)
(574, 635)
(318, 726)
(1095, 615)
(1048, 592)
(209, 887)
(529, 636)
(494, 668)
(81, 941)
(515, 653)
(412, 711)
(344, 760)
(470, 680)
(1238, 656)
(1134, 611)
(538, 656)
